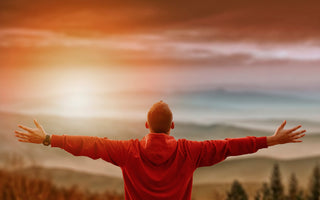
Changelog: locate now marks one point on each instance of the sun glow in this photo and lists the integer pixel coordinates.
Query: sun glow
(76, 101)
(76, 94)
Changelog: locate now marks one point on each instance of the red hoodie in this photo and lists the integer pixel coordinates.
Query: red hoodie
(158, 167)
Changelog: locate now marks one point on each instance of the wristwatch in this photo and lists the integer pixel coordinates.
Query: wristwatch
(46, 141)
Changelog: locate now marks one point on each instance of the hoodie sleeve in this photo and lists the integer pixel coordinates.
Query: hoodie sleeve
(210, 152)
(113, 151)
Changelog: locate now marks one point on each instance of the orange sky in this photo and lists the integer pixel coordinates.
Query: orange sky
(150, 33)
(47, 42)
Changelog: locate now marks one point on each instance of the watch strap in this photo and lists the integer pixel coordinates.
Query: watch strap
(46, 141)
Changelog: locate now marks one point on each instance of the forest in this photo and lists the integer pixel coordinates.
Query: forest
(275, 190)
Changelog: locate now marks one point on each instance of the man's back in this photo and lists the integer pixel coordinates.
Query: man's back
(158, 166)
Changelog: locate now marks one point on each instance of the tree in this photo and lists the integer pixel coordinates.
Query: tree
(314, 193)
(293, 187)
(237, 192)
(257, 196)
(266, 192)
(276, 185)
(300, 195)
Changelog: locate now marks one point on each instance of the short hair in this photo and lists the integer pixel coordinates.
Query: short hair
(160, 117)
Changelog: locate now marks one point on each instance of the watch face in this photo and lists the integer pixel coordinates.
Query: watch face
(46, 143)
(47, 140)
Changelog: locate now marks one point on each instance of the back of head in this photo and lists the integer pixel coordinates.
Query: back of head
(160, 117)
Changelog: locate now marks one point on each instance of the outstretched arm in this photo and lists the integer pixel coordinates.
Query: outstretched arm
(209, 152)
(114, 151)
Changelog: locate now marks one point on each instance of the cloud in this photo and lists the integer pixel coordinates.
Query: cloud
(267, 20)
(45, 38)
(214, 33)
(148, 48)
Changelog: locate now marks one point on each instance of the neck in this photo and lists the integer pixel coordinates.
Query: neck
(151, 131)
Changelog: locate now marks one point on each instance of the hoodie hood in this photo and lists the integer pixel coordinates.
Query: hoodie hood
(158, 147)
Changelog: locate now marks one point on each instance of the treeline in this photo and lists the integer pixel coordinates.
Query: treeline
(276, 191)
(15, 186)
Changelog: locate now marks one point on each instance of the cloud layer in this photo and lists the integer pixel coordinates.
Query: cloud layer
(231, 19)
(217, 33)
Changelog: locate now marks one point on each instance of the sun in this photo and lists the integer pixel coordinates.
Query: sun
(76, 100)
(76, 97)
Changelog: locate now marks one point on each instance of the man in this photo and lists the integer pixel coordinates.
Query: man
(158, 166)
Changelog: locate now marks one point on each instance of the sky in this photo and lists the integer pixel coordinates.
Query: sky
(56, 47)
(153, 33)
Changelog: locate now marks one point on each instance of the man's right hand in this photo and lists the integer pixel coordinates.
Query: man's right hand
(282, 136)
(33, 135)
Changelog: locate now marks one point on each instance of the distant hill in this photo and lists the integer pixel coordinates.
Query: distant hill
(213, 131)
(85, 181)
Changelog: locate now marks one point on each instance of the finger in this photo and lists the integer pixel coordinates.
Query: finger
(36, 123)
(296, 141)
(299, 136)
(23, 140)
(297, 133)
(25, 128)
(22, 137)
(283, 124)
(295, 128)
(21, 133)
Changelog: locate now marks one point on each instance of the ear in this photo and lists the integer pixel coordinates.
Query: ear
(172, 125)
(147, 125)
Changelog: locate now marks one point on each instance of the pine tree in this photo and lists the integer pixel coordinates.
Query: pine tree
(237, 192)
(266, 192)
(293, 187)
(300, 195)
(276, 185)
(257, 196)
(314, 193)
